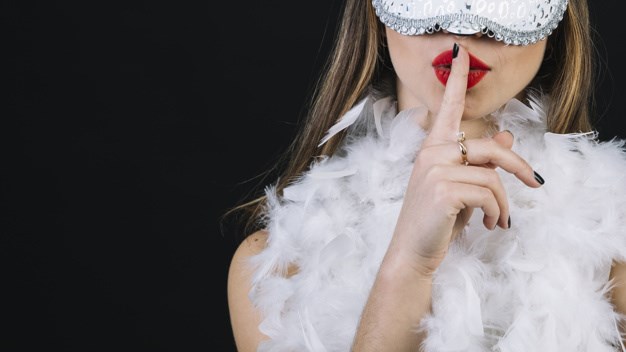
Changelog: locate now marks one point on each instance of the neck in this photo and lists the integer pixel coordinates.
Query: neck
(478, 128)
(474, 128)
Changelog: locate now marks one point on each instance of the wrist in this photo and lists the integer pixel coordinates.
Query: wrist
(400, 266)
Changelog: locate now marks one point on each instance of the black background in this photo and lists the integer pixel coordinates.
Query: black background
(134, 126)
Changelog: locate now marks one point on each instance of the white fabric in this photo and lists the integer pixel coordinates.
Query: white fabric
(539, 286)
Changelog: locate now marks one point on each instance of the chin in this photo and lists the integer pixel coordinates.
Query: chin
(473, 113)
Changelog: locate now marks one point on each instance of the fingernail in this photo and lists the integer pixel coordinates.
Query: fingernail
(511, 133)
(509, 222)
(455, 50)
(539, 178)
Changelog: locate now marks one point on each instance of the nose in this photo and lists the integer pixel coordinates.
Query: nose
(463, 28)
(463, 32)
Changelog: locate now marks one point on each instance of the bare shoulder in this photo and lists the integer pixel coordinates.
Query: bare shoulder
(239, 272)
(252, 245)
(244, 317)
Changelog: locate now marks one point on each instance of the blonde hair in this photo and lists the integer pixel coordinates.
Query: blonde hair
(359, 64)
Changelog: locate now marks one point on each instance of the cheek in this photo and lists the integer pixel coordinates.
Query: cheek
(517, 68)
(408, 53)
(527, 63)
(401, 53)
(412, 65)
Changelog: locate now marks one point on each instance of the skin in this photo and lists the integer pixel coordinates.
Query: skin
(442, 190)
(412, 57)
(244, 317)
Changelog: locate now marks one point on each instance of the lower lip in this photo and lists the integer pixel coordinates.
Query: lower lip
(473, 77)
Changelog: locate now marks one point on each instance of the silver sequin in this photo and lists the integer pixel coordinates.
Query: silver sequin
(516, 22)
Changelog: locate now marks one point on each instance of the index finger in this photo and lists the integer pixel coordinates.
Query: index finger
(448, 121)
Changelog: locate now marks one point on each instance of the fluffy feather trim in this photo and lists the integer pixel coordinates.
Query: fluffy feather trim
(540, 286)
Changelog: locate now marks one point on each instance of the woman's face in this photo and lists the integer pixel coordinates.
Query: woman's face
(507, 70)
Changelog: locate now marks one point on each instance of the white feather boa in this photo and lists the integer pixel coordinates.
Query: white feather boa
(539, 286)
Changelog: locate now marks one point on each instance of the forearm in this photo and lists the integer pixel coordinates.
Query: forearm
(399, 299)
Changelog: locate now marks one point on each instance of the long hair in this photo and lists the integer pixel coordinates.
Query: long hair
(359, 64)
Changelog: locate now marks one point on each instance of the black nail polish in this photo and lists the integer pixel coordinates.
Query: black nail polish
(539, 178)
(509, 223)
(455, 50)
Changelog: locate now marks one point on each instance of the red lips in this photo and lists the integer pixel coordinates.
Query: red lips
(441, 65)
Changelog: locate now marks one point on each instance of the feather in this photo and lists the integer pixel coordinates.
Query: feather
(345, 121)
(311, 338)
(475, 320)
(380, 107)
(332, 174)
(538, 286)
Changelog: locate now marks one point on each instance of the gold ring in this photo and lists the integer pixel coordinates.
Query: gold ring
(460, 137)
(463, 153)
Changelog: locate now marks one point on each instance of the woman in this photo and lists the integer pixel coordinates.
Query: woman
(447, 192)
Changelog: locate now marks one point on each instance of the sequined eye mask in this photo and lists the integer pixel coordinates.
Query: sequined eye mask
(516, 22)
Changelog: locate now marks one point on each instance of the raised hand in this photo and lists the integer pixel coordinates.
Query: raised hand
(443, 190)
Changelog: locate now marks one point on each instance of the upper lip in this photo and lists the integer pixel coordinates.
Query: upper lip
(445, 59)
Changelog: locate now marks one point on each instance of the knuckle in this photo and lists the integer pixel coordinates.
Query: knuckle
(486, 195)
(492, 178)
(492, 146)
(434, 172)
(441, 192)
(491, 143)
(427, 157)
